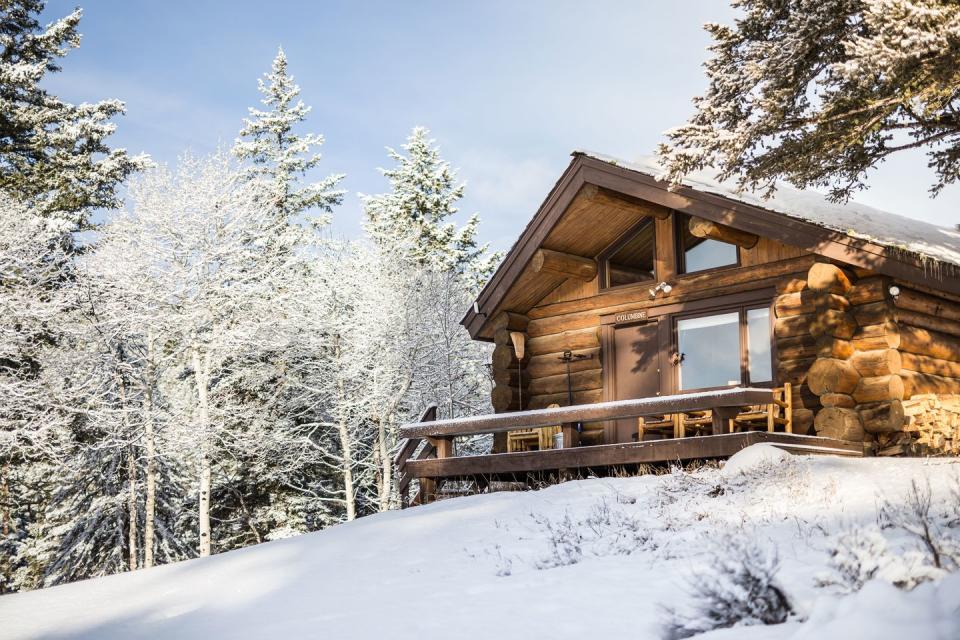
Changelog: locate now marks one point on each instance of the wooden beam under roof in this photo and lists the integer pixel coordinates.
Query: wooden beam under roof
(564, 264)
(702, 228)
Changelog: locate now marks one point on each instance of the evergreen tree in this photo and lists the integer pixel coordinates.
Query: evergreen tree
(819, 93)
(281, 155)
(412, 220)
(34, 301)
(53, 154)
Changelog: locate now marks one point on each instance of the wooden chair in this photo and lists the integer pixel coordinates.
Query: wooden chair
(522, 439)
(777, 413)
(665, 426)
(695, 423)
(546, 436)
(531, 439)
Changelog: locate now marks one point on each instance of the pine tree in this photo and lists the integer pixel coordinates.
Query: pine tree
(819, 93)
(412, 220)
(281, 155)
(53, 154)
(34, 300)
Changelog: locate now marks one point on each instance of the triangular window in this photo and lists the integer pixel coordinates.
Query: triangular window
(630, 260)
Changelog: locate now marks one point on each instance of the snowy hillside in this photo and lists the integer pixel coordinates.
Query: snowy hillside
(596, 558)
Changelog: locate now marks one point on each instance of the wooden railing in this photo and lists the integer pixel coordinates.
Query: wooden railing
(405, 449)
(725, 403)
(439, 434)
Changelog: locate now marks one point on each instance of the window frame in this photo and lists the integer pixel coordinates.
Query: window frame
(744, 347)
(681, 222)
(604, 258)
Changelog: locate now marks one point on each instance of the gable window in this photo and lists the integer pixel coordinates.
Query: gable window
(700, 254)
(724, 349)
(630, 259)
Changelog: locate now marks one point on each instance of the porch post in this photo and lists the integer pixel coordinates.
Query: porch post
(571, 438)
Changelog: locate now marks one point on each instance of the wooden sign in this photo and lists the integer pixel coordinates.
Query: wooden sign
(630, 317)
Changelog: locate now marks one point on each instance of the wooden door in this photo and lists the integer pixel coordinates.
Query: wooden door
(636, 371)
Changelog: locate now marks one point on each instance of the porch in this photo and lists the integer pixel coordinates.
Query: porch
(426, 451)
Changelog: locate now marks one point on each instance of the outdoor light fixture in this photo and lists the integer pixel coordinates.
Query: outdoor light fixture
(663, 286)
(894, 290)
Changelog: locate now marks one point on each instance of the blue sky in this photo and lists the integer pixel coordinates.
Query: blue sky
(507, 88)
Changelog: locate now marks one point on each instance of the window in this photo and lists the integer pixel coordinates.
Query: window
(710, 348)
(630, 260)
(724, 349)
(700, 254)
(759, 358)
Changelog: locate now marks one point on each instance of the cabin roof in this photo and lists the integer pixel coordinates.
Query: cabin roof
(852, 233)
(927, 241)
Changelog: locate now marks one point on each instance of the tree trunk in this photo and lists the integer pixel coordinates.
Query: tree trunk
(346, 449)
(201, 368)
(386, 475)
(150, 444)
(346, 444)
(5, 499)
(131, 479)
(132, 508)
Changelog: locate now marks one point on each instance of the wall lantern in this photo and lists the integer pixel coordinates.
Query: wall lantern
(664, 287)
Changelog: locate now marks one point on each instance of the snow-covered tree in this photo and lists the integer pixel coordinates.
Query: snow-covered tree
(132, 328)
(211, 263)
(53, 154)
(413, 219)
(34, 300)
(819, 93)
(431, 269)
(279, 154)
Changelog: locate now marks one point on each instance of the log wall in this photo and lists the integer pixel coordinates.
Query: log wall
(796, 346)
(511, 380)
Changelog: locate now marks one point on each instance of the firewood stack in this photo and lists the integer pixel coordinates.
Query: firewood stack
(931, 427)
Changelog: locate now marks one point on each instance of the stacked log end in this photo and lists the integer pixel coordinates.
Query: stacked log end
(795, 309)
(834, 376)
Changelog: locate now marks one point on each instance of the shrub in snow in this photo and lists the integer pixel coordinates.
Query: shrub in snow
(615, 532)
(606, 529)
(739, 589)
(915, 516)
(564, 542)
(856, 557)
(863, 554)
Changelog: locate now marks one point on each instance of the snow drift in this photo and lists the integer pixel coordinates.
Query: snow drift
(594, 558)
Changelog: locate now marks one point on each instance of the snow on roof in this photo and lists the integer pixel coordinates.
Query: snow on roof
(928, 241)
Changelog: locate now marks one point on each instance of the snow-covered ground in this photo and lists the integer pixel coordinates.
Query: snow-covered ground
(595, 558)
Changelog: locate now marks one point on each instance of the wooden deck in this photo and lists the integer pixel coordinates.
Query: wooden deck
(602, 458)
(427, 451)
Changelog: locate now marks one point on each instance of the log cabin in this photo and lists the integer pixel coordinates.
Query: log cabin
(637, 322)
(654, 291)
